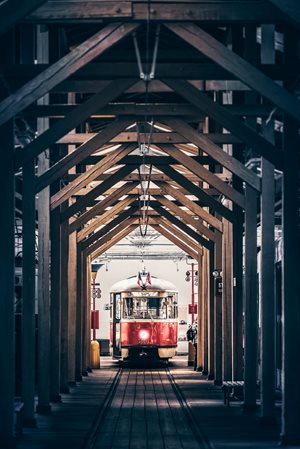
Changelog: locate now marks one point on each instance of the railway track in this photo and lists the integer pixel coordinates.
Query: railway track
(145, 409)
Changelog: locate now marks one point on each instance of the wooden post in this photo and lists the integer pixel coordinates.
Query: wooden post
(237, 263)
(55, 343)
(7, 273)
(79, 319)
(84, 313)
(227, 331)
(64, 251)
(200, 316)
(43, 405)
(28, 309)
(205, 289)
(267, 293)
(211, 322)
(88, 314)
(218, 311)
(28, 273)
(250, 299)
(72, 308)
(290, 429)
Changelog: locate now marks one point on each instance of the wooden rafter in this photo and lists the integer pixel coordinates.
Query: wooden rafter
(13, 11)
(243, 70)
(114, 240)
(100, 207)
(168, 232)
(186, 217)
(220, 185)
(63, 68)
(182, 226)
(105, 217)
(166, 189)
(63, 165)
(212, 150)
(109, 226)
(90, 175)
(72, 119)
(109, 235)
(223, 115)
(290, 8)
(193, 189)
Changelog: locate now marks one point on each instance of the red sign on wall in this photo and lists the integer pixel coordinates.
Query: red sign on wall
(95, 319)
(191, 308)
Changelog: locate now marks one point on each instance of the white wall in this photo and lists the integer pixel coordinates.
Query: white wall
(122, 269)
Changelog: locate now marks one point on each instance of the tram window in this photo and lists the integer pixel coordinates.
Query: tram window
(128, 308)
(118, 307)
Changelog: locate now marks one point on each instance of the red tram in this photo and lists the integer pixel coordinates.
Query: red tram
(144, 320)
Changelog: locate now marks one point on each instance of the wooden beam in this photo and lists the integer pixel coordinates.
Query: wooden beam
(291, 10)
(74, 158)
(201, 195)
(243, 70)
(173, 238)
(206, 12)
(107, 70)
(100, 207)
(212, 150)
(63, 68)
(107, 237)
(72, 119)
(105, 217)
(183, 227)
(223, 116)
(90, 175)
(218, 184)
(154, 109)
(166, 189)
(186, 217)
(157, 137)
(103, 248)
(109, 227)
(11, 12)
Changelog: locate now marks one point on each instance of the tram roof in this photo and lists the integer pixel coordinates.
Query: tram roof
(131, 284)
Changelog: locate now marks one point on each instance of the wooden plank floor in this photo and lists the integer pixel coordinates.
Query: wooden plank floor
(145, 414)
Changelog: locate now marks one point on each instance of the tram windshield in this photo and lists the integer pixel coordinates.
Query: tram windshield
(150, 308)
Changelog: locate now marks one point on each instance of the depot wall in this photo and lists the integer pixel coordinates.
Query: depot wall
(115, 271)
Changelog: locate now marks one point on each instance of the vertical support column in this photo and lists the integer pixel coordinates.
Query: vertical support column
(199, 314)
(205, 290)
(79, 308)
(72, 280)
(268, 255)
(84, 312)
(28, 270)
(227, 328)
(28, 309)
(7, 272)
(72, 308)
(211, 322)
(250, 299)
(43, 255)
(55, 307)
(88, 314)
(267, 294)
(218, 311)
(64, 250)
(237, 247)
(290, 430)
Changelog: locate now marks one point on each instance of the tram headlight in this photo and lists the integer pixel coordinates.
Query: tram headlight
(144, 334)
